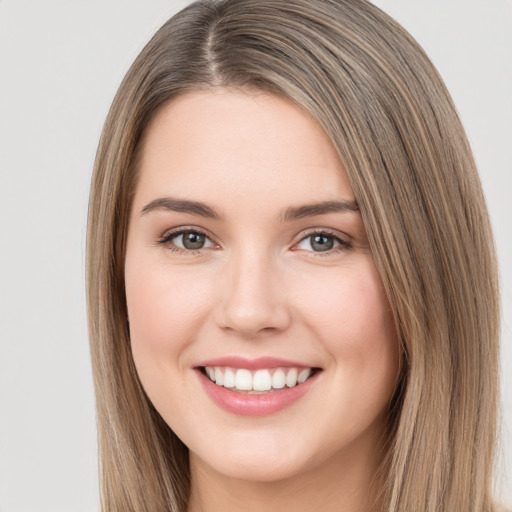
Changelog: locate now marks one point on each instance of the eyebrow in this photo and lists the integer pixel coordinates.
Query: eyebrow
(310, 210)
(289, 214)
(182, 206)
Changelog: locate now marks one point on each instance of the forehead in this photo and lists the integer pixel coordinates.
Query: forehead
(224, 145)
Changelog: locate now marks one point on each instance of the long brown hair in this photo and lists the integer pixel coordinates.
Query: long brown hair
(388, 113)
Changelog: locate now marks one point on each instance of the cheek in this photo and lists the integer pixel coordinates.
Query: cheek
(351, 315)
(164, 309)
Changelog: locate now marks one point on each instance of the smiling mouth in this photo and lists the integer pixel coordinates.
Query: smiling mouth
(262, 381)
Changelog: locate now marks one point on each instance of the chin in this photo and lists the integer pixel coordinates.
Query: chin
(255, 465)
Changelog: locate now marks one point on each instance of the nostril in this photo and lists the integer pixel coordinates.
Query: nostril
(252, 301)
(249, 320)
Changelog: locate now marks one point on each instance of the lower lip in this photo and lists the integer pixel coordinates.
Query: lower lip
(244, 404)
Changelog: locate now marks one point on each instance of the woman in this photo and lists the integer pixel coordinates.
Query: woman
(292, 285)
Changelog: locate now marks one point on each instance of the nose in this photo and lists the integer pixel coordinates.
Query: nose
(254, 297)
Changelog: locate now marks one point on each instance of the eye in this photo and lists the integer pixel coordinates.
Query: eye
(322, 242)
(187, 240)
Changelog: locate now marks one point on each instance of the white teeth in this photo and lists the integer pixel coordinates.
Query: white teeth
(219, 376)
(262, 381)
(242, 379)
(229, 378)
(278, 379)
(291, 377)
(303, 375)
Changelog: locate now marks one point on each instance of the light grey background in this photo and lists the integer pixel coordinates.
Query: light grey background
(60, 65)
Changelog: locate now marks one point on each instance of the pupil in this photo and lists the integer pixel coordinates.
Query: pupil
(322, 243)
(193, 240)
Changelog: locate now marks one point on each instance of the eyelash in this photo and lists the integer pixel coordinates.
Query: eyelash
(166, 241)
(344, 244)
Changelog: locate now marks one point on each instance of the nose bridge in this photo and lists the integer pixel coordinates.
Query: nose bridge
(254, 296)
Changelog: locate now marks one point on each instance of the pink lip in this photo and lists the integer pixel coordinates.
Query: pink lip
(244, 404)
(251, 364)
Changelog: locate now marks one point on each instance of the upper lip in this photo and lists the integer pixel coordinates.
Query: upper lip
(252, 364)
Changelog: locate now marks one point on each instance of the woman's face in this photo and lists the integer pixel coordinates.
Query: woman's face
(259, 325)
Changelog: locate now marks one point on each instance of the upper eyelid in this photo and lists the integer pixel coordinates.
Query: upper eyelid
(165, 240)
(174, 232)
(325, 231)
(300, 236)
(342, 242)
(170, 233)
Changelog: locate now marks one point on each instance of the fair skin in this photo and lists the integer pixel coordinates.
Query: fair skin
(246, 275)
